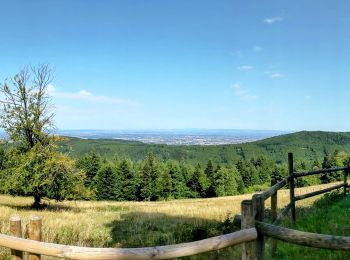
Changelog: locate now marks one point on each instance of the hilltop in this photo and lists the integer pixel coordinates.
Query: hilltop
(309, 145)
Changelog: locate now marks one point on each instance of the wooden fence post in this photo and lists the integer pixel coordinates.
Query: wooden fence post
(346, 172)
(258, 210)
(16, 230)
(291, 184)
(34, 234)
(247, 221)
(274, 201)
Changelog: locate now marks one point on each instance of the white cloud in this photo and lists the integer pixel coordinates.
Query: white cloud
(272, 20)
(276, 75)
(242, 93)
(85, 95)
(245, 67)
(257, 48)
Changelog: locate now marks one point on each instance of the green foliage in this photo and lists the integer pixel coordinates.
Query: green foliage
(127, 181)
(179, 188)
(32, 166)
(199, 182)
(106, 183)
(42, 172)
(90, 164)
(149, 176)
(335, 159)
(329, 215)
(25, 113)
(225, 182)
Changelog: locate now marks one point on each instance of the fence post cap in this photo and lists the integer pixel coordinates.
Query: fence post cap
(34, 217)
(15, 218)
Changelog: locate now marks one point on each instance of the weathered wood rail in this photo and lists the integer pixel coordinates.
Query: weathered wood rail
(35, 248)
(252, 233)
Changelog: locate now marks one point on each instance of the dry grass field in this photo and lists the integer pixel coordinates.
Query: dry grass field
(132, 224)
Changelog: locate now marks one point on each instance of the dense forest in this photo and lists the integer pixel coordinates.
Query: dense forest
(123, 170)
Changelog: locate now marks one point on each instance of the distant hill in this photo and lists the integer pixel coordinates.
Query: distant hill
(305, 145)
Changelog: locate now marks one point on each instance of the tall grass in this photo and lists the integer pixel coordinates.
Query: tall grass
(328, 215)
(135, 224)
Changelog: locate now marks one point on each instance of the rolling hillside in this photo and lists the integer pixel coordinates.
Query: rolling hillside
(305, 145)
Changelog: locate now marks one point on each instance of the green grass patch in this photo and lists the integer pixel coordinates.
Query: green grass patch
(328, 215)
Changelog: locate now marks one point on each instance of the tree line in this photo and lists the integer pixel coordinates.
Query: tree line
(152, 179)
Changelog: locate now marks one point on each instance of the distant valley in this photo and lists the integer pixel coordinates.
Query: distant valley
(177, 136)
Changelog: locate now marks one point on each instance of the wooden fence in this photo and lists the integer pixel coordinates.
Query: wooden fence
(253, 231)
(35, 248)
(252, 215)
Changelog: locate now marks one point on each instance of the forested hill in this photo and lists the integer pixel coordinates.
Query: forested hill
(305, 145)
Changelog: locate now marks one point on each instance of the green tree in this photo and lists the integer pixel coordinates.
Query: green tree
(26, 114)
(106, 183)
(149, 175)
(27, 118)
(128, 181)
(179, 188)
(164, 185)
(199, 182)
(42, 172)
(209, 172)
(225, 182)
(90, 163)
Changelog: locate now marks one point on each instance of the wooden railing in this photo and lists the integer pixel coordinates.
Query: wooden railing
(252, 215)
(252, 233)
(35, 248)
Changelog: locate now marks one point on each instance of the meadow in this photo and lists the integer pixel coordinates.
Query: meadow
(136, 224)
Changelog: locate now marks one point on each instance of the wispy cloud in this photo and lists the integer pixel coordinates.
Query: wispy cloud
(245, 67)
(257, 48)
(85, 95)
(274, 75)
(242, 93)
(271, 20)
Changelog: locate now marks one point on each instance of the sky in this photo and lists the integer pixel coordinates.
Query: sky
(161, 64)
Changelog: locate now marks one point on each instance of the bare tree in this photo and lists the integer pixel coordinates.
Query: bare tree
(26, 114)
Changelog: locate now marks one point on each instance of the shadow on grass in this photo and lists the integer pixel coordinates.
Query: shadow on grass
(140, 229)
(46, 207)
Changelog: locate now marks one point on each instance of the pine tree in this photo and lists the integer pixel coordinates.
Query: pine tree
(225, 182)
(164, 185)
(127, 181)
(90, 163)
(149, 176)
(106, 183)
(199, 182)
(179, 189)
(209, 172)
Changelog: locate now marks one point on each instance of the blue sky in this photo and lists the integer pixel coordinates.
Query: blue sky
(165, 64)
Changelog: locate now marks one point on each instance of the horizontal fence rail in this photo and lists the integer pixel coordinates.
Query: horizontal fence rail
(304, 238)
(158, 252)
(311, 194)
(330, 170)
